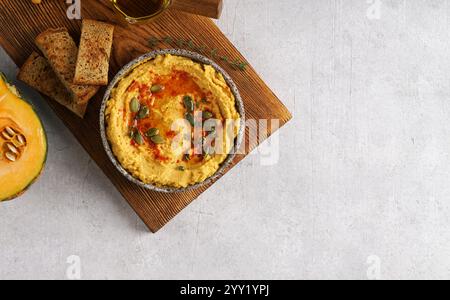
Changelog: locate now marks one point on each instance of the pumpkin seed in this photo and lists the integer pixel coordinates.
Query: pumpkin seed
(21, 139)
(190, 118)
(10, 131)
(157, 139)
(6, 135)
(181, 168)
(152, 132)
(138, 138)
(143, 112)
(188, 103)
(12, 148)
(207, 115)
(156, 88)
(135, 105)
(10, 156)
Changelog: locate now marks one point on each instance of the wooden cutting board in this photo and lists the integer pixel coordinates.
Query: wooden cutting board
(21, 21)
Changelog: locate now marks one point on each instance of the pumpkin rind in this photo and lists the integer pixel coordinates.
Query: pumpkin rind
(23, 143)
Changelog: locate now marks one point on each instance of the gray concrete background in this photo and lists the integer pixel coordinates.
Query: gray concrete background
(361, 189)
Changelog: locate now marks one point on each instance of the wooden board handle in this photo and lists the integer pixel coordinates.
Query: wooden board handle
(207, 8)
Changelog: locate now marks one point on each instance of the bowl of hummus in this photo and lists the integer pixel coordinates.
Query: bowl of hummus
(172, 120)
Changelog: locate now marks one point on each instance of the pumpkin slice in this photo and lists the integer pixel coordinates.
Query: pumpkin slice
(23, 143)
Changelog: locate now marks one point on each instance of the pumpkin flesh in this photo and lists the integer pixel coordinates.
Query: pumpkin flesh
(23, 143)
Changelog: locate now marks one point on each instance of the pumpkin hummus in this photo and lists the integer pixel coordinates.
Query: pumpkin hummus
(172, 122)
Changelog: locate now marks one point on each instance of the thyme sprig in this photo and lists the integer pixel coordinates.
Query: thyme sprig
(237, 64)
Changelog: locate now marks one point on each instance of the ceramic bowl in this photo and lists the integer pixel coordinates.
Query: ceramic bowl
(197, 58)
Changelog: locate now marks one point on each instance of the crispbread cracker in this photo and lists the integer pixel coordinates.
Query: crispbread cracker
(37, 73)
(61, 52)
(94, 53)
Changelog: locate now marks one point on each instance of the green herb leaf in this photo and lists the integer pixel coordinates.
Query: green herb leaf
(242, 66)
(180, 42)
(201, 49)
(168, 40)
(153, 42)
(190, 44)
(214, 53)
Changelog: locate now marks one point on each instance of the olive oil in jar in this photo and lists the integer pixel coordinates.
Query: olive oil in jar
(141, 8)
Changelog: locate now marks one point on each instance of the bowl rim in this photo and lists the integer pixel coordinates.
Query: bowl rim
(199, 58)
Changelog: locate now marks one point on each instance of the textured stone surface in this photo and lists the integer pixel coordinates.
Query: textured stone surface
(362, 174)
